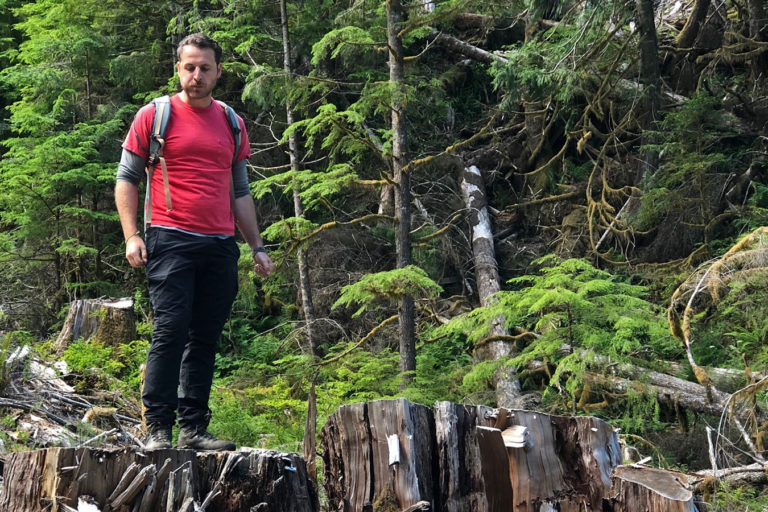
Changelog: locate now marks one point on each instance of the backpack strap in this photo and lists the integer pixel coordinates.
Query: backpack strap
(156, 143)
(234, 125)
(160, 122)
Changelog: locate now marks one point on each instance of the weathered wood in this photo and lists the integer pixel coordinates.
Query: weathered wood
(540, 462)
(566, 463)
(360, 440)
(57, 478)
(461, 484)
(111, 321)
(650, 490)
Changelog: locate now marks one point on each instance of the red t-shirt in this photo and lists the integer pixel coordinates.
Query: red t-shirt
(198, 154)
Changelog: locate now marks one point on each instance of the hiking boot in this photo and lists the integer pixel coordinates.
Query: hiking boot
(198, 438)
(159, 437)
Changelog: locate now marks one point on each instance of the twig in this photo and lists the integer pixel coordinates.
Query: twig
(103, 434)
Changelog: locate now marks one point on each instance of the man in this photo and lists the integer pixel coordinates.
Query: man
(190, 251)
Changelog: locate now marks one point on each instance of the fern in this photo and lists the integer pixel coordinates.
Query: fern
(390, 285)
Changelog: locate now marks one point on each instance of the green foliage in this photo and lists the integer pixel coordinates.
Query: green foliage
(746, 499)
(571, 302)
(389, 285)
(347, 43)
(106, 365)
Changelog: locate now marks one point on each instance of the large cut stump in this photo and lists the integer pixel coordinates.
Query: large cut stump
(501, 460)
(486, 460)
(110, 321)
(379, 456)
(57, 479)
(650, 490)
(565, 463)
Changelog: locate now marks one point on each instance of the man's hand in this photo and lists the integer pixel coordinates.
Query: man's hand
(136, 251)
(262, 264)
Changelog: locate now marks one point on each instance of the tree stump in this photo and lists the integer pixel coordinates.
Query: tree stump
(57, 479)
(110, 321)
(650, 490)
(485, 460)
(550, 462)
(379, 456)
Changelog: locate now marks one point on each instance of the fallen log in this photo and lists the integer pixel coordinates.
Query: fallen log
(110, 321)
(58, 479)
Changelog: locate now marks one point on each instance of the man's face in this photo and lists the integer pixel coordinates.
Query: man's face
(198, 73)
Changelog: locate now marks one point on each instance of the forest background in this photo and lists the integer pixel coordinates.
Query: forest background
(483, 202)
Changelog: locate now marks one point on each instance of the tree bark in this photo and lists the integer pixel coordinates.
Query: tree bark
(110, 321)
(471, 51)
(379, 453)
(488, 284)
(650, 78)
(305, 285)
(465, 459)
(160, 480)
(687, 35)
(402, 184)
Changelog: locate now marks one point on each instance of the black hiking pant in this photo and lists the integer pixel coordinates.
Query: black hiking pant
(192, 284)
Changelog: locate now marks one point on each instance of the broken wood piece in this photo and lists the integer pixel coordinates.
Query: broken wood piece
(650, 489)
(495, 468)
(142, 479)
(125, 480)
(515, 436)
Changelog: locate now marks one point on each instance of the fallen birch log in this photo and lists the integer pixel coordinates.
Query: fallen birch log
(57, 479)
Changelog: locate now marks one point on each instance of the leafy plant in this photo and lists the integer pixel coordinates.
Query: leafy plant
(574, 312)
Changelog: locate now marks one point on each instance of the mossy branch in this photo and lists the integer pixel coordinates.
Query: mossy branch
(373, 332)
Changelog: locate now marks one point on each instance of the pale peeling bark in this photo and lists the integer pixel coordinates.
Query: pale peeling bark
(305, 285)
(488, 284)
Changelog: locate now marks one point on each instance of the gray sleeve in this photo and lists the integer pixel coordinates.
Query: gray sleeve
(130, 168)
(240, 179)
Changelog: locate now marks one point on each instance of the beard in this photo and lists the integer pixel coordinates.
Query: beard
(197, 90)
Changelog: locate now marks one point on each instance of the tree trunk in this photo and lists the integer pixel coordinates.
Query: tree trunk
(487, 279)
(650, 490)
(650, 78)
(110, 321)
(160, 480)
(758, 31)
(379, 454)
(305, 285)
(465, 458)
(402, 184)
(687, 35)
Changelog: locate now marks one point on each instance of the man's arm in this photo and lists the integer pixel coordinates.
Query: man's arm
(245, 213)
(127, 198)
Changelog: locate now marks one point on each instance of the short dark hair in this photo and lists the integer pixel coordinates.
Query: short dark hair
(200, 40)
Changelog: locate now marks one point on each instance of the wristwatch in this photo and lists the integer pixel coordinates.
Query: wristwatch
(259, 249)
